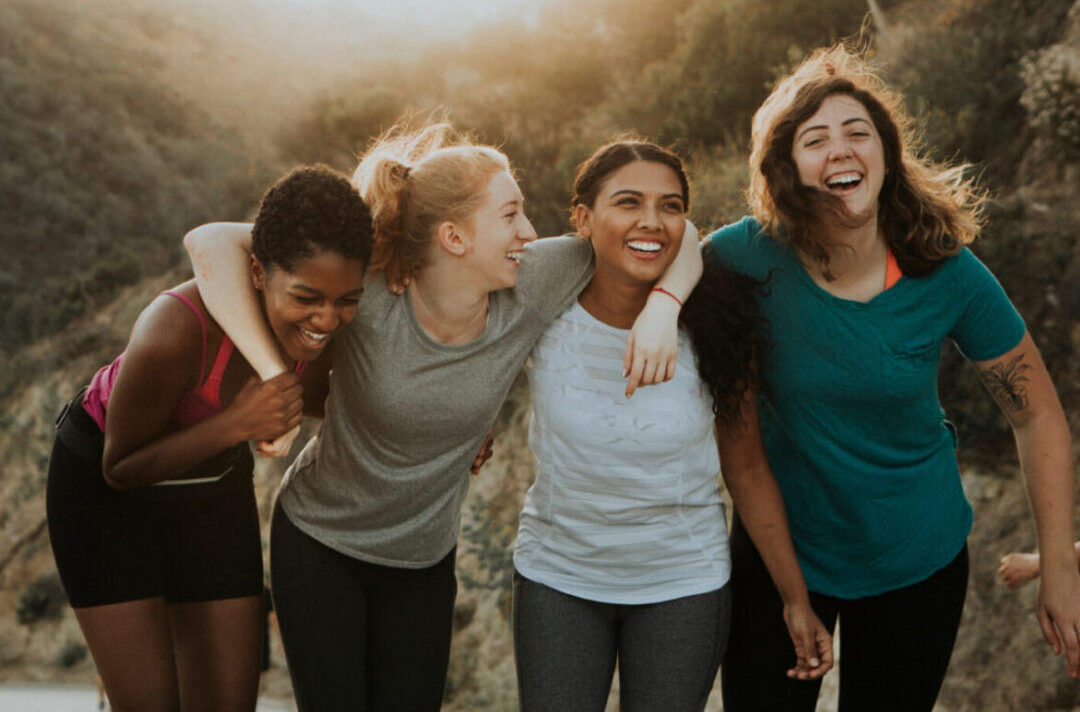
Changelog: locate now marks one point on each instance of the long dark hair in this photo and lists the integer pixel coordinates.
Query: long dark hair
(730, 337)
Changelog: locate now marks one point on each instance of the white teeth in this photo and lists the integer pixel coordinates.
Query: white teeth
(644, 246)
(313, 336)
(842, 180)
(515, 255)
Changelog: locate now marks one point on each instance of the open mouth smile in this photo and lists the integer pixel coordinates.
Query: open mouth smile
(644, 246)
(842, 182)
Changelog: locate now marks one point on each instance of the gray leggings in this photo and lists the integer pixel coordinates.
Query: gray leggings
(566, 648)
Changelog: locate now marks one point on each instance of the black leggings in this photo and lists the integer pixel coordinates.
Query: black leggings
(895, 646)
(359, 636)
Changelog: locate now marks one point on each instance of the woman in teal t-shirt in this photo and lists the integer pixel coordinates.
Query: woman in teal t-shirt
(864, 247)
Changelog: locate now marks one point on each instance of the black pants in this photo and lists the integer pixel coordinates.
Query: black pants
(895, 646)
(359, 636)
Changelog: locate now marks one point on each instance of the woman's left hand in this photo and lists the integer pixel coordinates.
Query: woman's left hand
(1059, 615)
(813, 643)
(653, 346)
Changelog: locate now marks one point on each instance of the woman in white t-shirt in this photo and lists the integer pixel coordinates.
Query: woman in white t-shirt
(622, 550)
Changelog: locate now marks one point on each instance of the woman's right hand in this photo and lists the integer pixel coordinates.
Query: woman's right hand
(813, 643)
(264, 410)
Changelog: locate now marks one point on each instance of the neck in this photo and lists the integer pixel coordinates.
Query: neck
(853, 253)
(614, 302)
(449, 309)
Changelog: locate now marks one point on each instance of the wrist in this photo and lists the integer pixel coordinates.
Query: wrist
(666, 294)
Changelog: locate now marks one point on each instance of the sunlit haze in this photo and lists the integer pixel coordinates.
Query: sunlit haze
(449, 15)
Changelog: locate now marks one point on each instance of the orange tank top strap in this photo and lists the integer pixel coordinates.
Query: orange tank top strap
(892, 269)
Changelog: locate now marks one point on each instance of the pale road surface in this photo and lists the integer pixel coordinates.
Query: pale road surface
(47, 697)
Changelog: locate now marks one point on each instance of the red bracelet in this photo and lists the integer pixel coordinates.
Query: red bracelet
(664, 291)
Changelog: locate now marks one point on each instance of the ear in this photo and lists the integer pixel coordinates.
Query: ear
(258, 274)
(583, 220)
(449, 236)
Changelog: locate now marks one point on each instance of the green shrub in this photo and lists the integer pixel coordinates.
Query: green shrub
(1052, 96)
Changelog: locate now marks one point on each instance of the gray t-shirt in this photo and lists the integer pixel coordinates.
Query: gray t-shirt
(385, 478)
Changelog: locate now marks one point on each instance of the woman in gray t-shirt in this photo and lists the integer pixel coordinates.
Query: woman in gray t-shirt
(363, 534)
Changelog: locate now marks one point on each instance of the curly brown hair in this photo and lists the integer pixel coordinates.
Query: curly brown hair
(927, 211)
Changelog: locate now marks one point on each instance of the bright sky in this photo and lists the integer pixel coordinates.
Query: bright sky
(452, 15)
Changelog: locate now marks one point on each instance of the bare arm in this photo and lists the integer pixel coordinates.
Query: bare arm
(758, 500)
(1021, 386)
(221, 257)
(160, 363)
(653, 345)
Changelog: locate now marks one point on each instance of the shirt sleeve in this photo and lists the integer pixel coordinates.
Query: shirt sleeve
(553, 272)
(989, 324)
(738, 247)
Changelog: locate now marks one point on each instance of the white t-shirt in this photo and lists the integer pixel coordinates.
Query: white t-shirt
(626, 506)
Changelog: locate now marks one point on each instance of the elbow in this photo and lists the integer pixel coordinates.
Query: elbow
(115, 479)
(191, 242)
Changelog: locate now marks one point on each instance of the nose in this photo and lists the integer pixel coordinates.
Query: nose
(649, 218)
(526, 231)
(326, 319)
(839, 149)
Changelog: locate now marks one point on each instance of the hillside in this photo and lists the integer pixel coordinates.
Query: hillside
(139, 138)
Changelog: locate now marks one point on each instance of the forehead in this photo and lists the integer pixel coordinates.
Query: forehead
(643, 177)
(837, 109)
(325, 269)
(502, 189)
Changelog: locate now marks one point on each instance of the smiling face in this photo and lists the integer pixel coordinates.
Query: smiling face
(839, 151)
(307, 305)
(498, 233)
(636, 222)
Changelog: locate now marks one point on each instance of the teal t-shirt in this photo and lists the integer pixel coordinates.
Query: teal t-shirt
(852, 425)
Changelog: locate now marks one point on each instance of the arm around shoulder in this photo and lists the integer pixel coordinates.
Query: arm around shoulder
(221, 258)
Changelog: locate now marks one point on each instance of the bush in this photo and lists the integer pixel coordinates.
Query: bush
(1052, 96)
(71, 654)
(42, 599)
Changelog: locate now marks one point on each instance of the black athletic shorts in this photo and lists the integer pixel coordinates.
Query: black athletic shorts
(188, 543)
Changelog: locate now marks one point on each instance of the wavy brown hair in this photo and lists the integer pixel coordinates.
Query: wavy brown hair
(414, 180)
(927, 211)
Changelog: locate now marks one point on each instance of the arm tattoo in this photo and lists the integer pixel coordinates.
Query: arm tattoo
(1006, 380)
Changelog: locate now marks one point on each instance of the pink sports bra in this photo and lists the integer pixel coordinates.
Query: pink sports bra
(193, 406)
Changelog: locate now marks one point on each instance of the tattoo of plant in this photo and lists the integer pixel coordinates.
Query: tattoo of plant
(1006, 380)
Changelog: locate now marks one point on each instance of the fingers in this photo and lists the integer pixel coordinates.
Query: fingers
(628, 356)
(633, 380)
(278, 447)
(1072, 649)
(483, 454)
(1049, 632)
(808, 662)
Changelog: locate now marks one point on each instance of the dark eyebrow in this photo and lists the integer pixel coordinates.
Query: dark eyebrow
(852, 120)
(638, 194)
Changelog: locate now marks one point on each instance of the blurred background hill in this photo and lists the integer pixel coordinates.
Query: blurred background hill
(125, 123)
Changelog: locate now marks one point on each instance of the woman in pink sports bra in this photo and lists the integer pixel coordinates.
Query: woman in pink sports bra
(151, 510)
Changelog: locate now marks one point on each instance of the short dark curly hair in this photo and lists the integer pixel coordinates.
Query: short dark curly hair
(311, 209)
